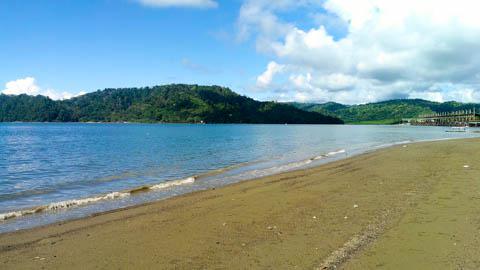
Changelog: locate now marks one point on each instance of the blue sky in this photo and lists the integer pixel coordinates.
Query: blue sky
(87, 45)
(303, 50)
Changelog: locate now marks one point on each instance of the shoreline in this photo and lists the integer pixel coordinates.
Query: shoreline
(167, 186)
(62, 207)
(326, 215)
(105, 198)
(143, 189)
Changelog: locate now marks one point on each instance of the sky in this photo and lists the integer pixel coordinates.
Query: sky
(345, 51)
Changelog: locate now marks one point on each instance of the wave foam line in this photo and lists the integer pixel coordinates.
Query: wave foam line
(80, 202)
(341, 151)
(63, 205)
(333, 153)
(71, 203)
(293, 165)
(189, 180)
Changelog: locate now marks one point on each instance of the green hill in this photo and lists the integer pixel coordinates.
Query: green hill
(32, 109)
(386, 112)
(177, 103)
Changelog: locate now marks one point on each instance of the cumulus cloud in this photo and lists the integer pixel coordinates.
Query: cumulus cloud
(388, 49)
(29, 86)
(265, 79)
(22, 86)
(180, 3)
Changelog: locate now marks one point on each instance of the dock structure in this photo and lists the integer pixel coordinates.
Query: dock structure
(453, 119)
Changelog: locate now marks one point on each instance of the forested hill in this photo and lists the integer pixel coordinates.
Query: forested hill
(386, 112)
(170, 103)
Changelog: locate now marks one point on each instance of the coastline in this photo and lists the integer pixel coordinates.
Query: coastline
(179, 187)
(186, 185)
(321, 216)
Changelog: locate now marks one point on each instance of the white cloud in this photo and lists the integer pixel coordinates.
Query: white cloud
(180, 3)
(266, 77)
(389, 49)
(29, 86)
(22, 86)
(442, 93)
(331, 82)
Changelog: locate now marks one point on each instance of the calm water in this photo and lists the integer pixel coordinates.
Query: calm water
(55, 165)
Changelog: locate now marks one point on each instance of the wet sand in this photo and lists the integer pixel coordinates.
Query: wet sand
(412, 207)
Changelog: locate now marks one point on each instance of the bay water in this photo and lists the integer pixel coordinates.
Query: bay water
(51, 172)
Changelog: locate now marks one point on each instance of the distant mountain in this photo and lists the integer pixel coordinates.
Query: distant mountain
(178, 103)
(386, 112)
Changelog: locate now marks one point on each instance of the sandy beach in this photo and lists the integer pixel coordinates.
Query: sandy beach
(406, 207)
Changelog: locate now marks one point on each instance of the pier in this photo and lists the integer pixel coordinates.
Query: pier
(453, 119)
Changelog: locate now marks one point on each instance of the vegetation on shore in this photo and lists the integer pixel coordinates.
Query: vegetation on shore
(181, 103)
(386, 112)
(177, 103)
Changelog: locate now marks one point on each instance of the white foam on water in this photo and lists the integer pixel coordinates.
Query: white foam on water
(330, 154)
(289, 166)
(16, 214)
(63, 205)
(90, 200)
(79, 202)
(189, 180)
(341, 151)
(319, 157)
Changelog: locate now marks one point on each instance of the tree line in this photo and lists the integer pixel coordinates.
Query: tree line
(176, 103)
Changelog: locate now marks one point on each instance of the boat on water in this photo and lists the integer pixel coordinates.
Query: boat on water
(458, 129)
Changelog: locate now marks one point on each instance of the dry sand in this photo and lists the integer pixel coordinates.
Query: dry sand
(413, 207)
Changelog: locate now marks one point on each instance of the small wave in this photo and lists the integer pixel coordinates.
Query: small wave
(341, 151)
(71, 203)
(85, 201)
(299, 164)
(390, 144)
(63, 186)
(63, 205)
(16, 214)
(302, 163)
(330, 154)
(168, 184)
(289, 166)
(292, 165)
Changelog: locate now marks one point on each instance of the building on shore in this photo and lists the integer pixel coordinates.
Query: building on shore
(454, 119)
